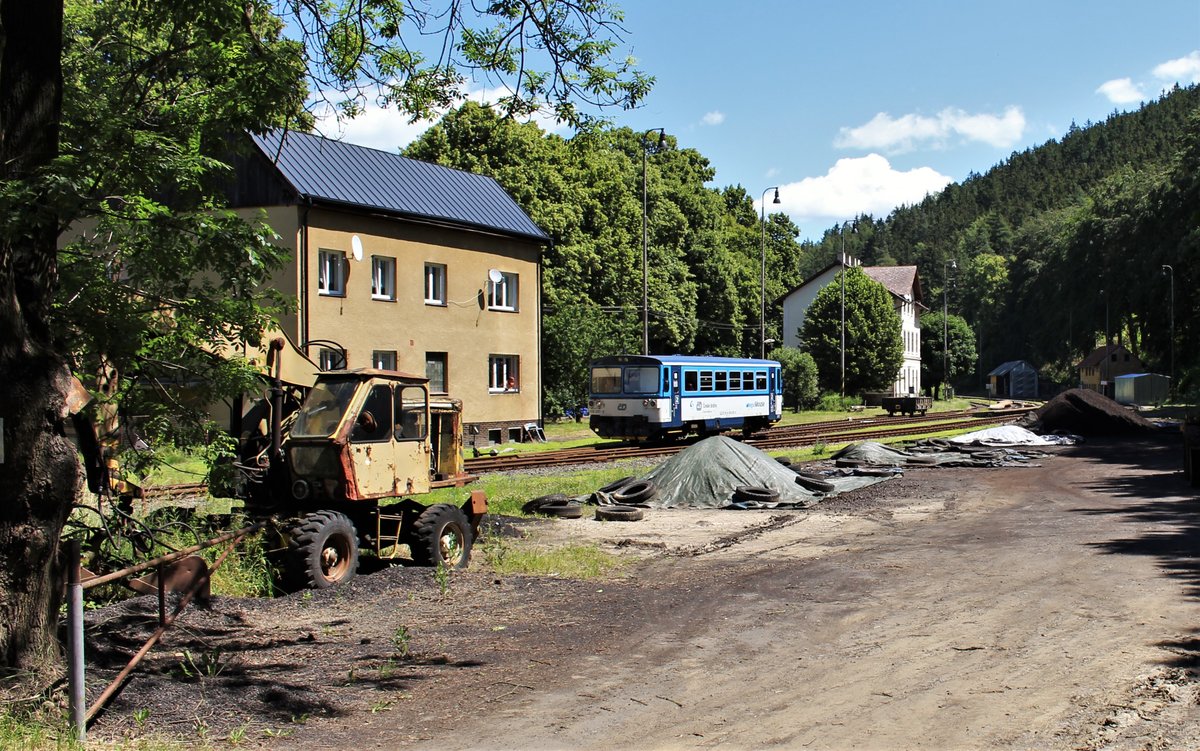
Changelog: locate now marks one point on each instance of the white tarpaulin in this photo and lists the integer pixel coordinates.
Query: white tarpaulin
(1013, 435)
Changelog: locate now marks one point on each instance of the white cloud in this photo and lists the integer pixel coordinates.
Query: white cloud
(1185, 70)
(908, 132)
(1121, 91)
(863, 185)
(716, 117)
(390, 130)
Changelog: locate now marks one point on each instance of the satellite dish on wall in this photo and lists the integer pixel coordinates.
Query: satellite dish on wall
(356, 247)
(494, 276)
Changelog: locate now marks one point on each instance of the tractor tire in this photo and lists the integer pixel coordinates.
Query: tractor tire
(756, 493)
(635, 492)
(535, 505)
(619, 514)
(564, 509)
(322, 551)
(442, 536)
(616, 485)
(814, 483)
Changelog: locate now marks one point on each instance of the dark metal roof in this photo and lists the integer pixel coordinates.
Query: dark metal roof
(326, 170)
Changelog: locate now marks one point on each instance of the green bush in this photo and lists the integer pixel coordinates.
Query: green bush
(799, 377)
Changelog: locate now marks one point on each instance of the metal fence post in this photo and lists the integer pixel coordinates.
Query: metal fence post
(75, 665)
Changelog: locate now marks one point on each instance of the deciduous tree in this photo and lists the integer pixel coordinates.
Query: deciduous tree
(874, 347)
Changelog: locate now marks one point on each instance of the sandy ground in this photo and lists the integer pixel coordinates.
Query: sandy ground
(1040, 607)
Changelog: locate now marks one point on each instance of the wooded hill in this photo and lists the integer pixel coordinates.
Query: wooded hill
(1047, 240)
(1044, 243)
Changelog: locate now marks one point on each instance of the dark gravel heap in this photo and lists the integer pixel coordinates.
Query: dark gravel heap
(1086, 412)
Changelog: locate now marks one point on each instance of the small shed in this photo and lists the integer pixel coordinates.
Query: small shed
(1142, 388)
(1015, 379)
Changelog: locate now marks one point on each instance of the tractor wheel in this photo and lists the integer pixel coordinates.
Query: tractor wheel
(322, 551)
(442, 536)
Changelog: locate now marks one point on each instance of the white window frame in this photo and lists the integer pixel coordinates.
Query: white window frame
(435, 284)
(500, 369)
(502, 295)
(384, 359)
(330, 359)
(331, 273)
(383, 278)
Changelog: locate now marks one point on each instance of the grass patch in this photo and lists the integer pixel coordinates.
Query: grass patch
(27, 733)
(508, 492)
(573, 561)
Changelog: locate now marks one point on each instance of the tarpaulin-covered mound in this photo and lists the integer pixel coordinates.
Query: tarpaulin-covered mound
(1086, 412)
(934, 452)
(706, 474)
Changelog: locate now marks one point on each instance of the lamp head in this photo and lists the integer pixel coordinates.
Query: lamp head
(776, 196)
(662, 137)
(953, 265)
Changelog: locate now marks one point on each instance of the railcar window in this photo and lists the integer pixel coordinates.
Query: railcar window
(706, 380)
(690, 380)
(606, 380)
(722, 381)
(641, 380)
(760, 380)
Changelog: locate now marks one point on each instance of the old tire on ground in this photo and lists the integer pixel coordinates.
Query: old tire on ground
(442, 536)
(814, 483)
(755, 493)
(635, 492)
(534, 506)
(565, 509)
(616, 485)
(322, 551)
(619, 514)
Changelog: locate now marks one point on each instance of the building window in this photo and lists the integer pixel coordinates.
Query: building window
(331, 359)
(383, 359)
(502, 295)
(331, 273)
(435, 284)
(503, 374)
(435, 371)
(383, 278)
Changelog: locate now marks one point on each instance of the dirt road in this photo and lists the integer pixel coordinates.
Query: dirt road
(1041, 607)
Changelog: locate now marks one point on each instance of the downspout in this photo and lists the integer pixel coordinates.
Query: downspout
(541, 407)
(303, 321)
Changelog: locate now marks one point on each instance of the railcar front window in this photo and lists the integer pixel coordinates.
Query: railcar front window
(606, 380)
(323, 409)
(641, 380)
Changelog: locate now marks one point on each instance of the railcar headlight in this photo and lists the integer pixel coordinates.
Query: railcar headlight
(652, 403)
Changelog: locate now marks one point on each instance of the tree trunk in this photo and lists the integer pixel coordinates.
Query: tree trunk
(39, 472)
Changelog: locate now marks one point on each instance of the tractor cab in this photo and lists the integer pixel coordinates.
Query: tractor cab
(368, 434)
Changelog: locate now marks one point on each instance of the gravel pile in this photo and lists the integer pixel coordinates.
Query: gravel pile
(1086, 412)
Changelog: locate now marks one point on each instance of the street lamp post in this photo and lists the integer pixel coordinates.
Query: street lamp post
(762, 293)
(947, 267)
(842, 276)
(662, 134)
(1171, 271)
(1105, 372)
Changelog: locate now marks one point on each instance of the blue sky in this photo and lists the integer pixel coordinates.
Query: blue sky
(858, 106)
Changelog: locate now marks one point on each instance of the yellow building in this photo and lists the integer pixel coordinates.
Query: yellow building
(408, 266)
(1099, 369)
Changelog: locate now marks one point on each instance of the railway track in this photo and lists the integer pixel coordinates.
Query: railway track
(837, 431)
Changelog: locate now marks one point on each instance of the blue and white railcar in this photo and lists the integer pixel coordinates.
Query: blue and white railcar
(658, 396)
